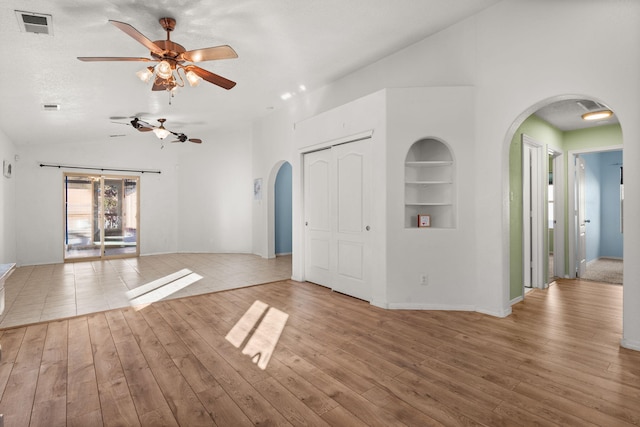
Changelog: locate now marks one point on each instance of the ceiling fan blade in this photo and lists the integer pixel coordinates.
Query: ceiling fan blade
(113, 58)
(137, 35)
(141, 125)
(209, 54)
(196, 140)
(210, 77)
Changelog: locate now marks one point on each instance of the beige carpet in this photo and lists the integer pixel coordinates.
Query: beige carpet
(606, 270)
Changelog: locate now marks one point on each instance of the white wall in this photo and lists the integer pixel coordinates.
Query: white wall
(446, 256)
(272, 145)
(215, 192)
(201, 201)
(518, 55)
(8, 207)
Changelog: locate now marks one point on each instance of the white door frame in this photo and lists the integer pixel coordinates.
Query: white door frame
(558, 213)
(532, 213)
(571, 182)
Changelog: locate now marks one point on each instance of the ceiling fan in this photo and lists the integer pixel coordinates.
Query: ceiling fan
(170, 57)
(160, 131)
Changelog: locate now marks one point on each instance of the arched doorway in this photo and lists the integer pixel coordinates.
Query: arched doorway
(283, 211)
(545, 238)
(279, 210)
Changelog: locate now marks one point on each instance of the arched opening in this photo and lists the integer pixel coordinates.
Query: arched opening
(283, 211)
(549, 206)
(279, 210)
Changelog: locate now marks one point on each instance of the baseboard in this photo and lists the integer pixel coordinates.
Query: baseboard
(442, 307)
(503, 313)
(630, 344)
(516, 300)
(380, 304)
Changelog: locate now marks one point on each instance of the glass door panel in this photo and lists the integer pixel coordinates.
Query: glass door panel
(80, 218)
(101, 216)
(120, 213)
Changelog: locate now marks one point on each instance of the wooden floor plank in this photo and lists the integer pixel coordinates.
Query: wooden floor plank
(83, 401)
(116, 401)
(556, 361)
(254, 406)
(17, 400)
(175, 392)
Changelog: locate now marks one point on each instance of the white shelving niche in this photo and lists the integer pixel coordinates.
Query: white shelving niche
(429, 186)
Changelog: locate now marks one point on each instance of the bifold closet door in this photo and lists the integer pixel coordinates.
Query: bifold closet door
(337, 200)
(317, 216)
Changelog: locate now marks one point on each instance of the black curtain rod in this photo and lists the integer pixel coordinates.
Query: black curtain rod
(44, 165)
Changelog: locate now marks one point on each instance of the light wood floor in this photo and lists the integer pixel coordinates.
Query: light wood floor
(339, 361)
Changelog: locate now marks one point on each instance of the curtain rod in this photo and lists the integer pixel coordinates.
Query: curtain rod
(44, 165)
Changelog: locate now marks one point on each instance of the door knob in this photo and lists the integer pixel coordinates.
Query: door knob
(367, 228)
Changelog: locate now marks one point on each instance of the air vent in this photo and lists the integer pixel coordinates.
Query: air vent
(50, 107)
(590, 105)
(36, 23)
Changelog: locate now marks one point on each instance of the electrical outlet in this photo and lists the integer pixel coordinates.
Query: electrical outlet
(424, 280)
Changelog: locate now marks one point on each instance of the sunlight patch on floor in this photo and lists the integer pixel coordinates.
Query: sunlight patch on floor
(154, 291)
(260, 331)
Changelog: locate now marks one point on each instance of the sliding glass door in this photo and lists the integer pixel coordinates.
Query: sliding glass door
(101, 216)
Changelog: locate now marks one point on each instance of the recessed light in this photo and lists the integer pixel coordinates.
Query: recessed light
(302, 88)
(597, 115)
(286, 96)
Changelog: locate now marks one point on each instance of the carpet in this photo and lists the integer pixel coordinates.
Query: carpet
(607, 270)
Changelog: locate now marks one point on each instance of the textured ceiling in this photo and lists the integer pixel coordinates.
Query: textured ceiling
(567, 114)
(281, 44)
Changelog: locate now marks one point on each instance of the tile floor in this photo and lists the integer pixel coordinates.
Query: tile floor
(46, 292)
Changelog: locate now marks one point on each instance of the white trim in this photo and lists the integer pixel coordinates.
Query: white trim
(533, 188)
(571, 208)
(432, 307)
(338, 141)
(630, 344)
(380, 304)
(516, 300)
(503, 313)
(558, 213)
(445, 307)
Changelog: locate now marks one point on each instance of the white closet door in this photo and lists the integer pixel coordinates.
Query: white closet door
(317, 216)
(350, 242)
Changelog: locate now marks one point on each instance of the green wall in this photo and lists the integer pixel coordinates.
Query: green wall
(551, 137)
(548, 135)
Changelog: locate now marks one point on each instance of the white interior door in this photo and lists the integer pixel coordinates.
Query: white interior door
(580, 219)
(352, 213)
(317, 216)
(532, 213)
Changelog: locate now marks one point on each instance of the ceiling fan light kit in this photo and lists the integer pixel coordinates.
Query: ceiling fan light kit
(170, 57)
(160, 131)
(145, 74)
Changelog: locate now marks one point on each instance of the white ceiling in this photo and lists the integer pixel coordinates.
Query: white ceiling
(567, 114)
(281, 44)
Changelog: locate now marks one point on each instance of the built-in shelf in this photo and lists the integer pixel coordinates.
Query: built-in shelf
(429, 184)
